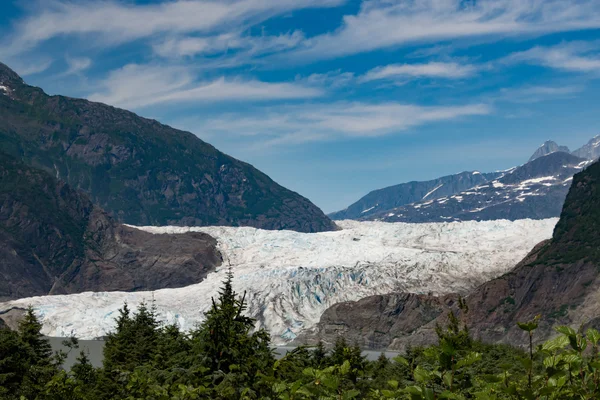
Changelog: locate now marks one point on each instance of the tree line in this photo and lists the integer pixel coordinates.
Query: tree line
(226, 358)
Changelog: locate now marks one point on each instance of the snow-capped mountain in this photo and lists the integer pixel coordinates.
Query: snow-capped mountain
(450, 198)
(405, 193)
(291, 278)
(534, 190)
(590, 151)
(548, 147)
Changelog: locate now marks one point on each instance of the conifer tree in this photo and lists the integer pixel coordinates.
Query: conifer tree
(226, 339)
(40, 363)
(14, 363)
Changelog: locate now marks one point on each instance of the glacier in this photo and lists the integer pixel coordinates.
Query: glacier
(291, 278)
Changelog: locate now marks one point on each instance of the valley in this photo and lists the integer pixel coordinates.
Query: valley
(291, 278)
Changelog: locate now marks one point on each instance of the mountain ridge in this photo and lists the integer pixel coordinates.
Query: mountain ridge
(140, 171)
(386, 203)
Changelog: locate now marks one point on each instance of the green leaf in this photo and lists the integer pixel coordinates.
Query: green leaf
(593, 336)
(279, 387)
(559, 342)
(393, 384)
(566, 330)
(345, 367)
(470, 359)
(421, 374)
(527, 326)
(401, 360)
(350, 394)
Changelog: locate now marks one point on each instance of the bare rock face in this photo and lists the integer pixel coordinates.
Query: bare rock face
(140, 171)
(376, 321)
(53, 240)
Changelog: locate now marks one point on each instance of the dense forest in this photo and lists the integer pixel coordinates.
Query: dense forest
(226, 358)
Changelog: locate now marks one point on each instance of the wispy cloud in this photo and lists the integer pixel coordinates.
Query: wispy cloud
(536, 94)
(332, 79)
(317, 122)
(383, 24)
(113, 22)
(450, 70)
(249, 45)
(137, 86)
(573, 56)
(77, 65)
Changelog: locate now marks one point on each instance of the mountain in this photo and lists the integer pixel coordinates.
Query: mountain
(140, 171)
(558, 280)
(53, 240)
(534, 190)
(475, 196)
(591, 150)
(548, 147)
(391, 197)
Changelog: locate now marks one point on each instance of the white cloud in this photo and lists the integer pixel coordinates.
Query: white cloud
(319, 122)
(251, 45)
(332, 79)
(29, 68)
(536, 94)
(136, 86)
(115, 22)
(383, 23)
(77, 65)
(445, 70)
(573, 57)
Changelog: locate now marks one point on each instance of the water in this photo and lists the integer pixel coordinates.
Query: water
(94, 348)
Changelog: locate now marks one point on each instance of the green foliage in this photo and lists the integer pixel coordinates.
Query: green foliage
(226, 358)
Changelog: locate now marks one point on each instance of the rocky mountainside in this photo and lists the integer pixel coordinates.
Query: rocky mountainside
(376, 321)
(534, 190)
(451, 198)
(591, 150)
(548, 147)
(559, 280)
(140, 171)
(381, 200)
(53, 240)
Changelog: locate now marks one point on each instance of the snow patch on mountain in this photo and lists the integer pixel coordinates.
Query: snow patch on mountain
(291, 278)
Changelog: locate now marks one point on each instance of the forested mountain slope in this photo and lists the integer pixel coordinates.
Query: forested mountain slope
(140, 171)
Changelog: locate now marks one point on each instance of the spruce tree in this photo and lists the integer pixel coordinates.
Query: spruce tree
(41, 365)
(14, 363)
(226, 341)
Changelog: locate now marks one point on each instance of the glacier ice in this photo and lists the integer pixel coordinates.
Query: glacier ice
(290, 278)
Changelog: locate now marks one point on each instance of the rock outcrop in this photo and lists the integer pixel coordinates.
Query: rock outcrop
(54, 240)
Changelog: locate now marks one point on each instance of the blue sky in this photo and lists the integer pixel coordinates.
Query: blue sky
(331, 98)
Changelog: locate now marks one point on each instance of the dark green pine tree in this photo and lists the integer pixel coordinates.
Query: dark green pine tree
(14, 363)
(30, 331)
(227, 342)
(134, 342)
(338, 354)
(83, 371)
(319, 356)
(119, 343)
(41, 364)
